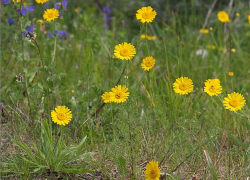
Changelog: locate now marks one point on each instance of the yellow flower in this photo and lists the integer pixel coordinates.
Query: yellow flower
(146, 14)
(153, 37)
(143, 36)
(61, 115)
(183, 85)
(41, 1)
(16, 1)
(204, 31)
(76, 10)
(119, 94)
(213, 46)
(107, 97)
(149, 38)
(124, 51)
(212, 87)
(234, 101)
(233, 50)
(51, 14)
(40, 21)
(230, 74)
(249, 18)
(148, 63)
(72, 91)
(152, 171)
(237, 14)
(223, 17)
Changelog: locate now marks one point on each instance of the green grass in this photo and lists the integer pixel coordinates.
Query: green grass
(188, 135)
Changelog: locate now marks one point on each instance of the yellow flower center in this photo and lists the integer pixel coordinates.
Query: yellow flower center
(183, 86)
(124, 52)
(234, 102)
(212, 89)
(51, 15)
(61, 116)
(153, 173)
(148, 63)
(146, 15)
(118, 95)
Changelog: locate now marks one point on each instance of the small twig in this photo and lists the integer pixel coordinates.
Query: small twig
(206, 19)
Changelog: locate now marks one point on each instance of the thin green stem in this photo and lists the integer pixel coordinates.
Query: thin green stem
(25, 84)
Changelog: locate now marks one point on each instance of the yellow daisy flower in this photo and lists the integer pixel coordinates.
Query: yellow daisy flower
(249, 18)
(61, 115)
(212, 87)
(143, 36)
(204, 31)
(51, 14)
(234, 101)
(148, 63)
(230, 74)
(183, 85)
(124, 51)
(119, 94)
(146, 14)
(41, 1)
(40, 21)
(223, 16)
(107, 97)
(152, 171)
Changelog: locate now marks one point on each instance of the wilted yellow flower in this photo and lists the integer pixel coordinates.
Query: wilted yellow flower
(76, 10)
(146, 14)
(230, 74)
(40, 21)
(204, 31)
(223, 17)
(234, 101)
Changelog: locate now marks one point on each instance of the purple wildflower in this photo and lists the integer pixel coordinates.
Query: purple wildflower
(60, 15)
(46, 5)
(23, 11)
(31, 8)
(50, 35)
(11, 21)
(57, 5)
(56, 32)
(62, 34)
(106, 11)
(64, 3)
(30, 28)
(5, 2)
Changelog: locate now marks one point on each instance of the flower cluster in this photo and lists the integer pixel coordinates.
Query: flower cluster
(233, 102)
(143, 36)
(118, 94)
